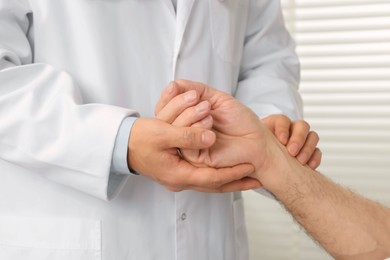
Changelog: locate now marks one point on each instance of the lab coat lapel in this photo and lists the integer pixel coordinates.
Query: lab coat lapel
(184, 8)
(169, 5)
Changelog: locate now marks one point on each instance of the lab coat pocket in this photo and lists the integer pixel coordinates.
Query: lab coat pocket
(51, 239)
(228, 24)
(242, 250)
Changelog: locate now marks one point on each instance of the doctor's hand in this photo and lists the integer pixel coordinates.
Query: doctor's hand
(153, 146)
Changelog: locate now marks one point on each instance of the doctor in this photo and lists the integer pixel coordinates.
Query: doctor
(74, 76)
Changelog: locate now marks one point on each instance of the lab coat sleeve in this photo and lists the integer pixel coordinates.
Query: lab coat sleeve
(269, 72)
(44, 125)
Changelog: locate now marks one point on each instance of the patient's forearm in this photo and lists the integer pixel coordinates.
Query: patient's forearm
(345, 224)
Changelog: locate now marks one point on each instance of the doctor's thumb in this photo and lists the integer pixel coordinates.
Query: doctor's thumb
(192, 138)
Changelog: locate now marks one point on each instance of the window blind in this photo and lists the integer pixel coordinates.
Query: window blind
(344, 48)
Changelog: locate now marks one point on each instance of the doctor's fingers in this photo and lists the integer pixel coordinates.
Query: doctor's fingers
(188, 138)
(206, 122)
(177, 105)
(168, 94)
(198, 116)
(179, 87)
(204, 91)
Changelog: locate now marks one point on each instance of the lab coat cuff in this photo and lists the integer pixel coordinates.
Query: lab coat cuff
(120, 153)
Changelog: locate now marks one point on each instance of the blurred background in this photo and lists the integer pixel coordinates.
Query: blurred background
(344, 48)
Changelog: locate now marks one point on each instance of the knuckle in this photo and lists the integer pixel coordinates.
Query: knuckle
(189, 137)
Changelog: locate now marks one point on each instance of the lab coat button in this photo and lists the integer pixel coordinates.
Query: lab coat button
(183, 216)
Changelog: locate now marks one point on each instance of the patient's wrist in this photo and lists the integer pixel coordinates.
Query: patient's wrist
(281, 167)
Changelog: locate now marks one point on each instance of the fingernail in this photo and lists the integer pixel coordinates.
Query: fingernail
(202, 106)
(293, 149)
(190, 96)
(207, 137)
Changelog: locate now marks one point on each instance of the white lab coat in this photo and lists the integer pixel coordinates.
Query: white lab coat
(72, 70)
